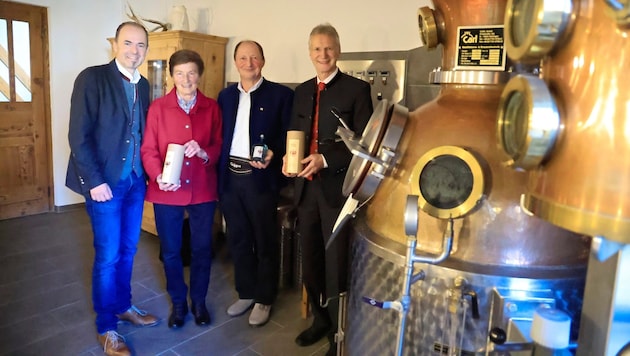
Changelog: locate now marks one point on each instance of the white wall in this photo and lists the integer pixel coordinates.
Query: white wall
(282, 27)
(79, 29)
(78, 32)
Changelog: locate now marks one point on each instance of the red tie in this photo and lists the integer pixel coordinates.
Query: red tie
(315, 128)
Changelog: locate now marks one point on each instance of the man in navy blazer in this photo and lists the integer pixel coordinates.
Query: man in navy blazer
(318, 187)
(107, 116)
(255, 112)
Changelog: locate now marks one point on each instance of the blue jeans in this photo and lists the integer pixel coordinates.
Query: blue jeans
(116, 228)
(169, 222)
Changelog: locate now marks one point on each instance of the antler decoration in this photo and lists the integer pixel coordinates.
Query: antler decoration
(133, 16)
(164, 26)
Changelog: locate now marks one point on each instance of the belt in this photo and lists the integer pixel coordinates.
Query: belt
(238, 165)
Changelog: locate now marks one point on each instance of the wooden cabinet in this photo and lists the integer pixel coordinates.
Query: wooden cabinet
(148, 219)
(212, 51)
(161, 46)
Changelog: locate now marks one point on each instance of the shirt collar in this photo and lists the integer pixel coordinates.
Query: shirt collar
(329, 78)
(133, 78)
(186, 105)
(253, 88)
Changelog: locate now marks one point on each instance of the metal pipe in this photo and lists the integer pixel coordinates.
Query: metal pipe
(340, 335)
(447, 245)
(410, 278)
(411, 229)
(405, 299)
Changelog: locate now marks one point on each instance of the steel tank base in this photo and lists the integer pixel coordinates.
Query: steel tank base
(439, 303)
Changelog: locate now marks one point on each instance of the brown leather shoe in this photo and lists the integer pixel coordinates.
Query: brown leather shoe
(138, 317)
(113, 344)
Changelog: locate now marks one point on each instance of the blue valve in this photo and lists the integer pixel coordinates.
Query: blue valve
(373, 302)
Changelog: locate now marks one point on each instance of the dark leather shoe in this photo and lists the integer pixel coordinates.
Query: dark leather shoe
(311, 335)
(178, 315)
(199, 311)
(138, 317)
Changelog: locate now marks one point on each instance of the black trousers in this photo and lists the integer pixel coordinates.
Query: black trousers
(253, 238)
(324, 271)
(169, 220)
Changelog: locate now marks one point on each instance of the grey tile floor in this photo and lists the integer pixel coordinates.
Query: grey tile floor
(45, 303)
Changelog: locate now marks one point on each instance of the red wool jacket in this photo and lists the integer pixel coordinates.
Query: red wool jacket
(168, 123)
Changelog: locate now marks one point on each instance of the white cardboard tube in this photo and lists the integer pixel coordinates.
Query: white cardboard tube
(295, 151)
(173, 163)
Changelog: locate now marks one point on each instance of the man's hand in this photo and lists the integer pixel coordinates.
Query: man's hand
(101, 193)
(312, 165)
(263, 165)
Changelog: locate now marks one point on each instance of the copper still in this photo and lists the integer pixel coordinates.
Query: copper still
(448, 156)
(579, 177)
(567, 124)
(495, 231)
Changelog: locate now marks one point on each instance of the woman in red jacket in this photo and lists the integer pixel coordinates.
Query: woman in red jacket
(187, 117)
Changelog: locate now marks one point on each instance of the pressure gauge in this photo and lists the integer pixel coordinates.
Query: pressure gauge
(528, 121)
(449, 182)
(534, 27)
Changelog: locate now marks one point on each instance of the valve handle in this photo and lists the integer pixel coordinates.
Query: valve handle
(373, 302)
(475, 304)
(498, 336)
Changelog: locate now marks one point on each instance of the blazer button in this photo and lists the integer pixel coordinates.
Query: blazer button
(187, 181)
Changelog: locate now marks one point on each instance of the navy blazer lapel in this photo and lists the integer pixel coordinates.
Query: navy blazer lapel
(256, 125)
(115, 78)
(234, 101)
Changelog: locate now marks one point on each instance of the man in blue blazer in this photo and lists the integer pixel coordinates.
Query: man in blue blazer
(255, 112)
(107, 116)
(318, 187)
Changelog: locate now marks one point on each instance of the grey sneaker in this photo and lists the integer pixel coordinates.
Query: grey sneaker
(259, 315)
(240, 307)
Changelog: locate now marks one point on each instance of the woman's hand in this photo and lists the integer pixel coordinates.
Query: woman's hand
(167, 187)
(192, 148)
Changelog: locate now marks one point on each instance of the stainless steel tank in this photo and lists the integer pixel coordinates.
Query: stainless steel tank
(509, 260)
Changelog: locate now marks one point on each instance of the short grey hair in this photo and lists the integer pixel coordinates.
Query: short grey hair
(325, 29)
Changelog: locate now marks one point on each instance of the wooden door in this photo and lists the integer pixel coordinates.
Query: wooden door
(25, 148)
